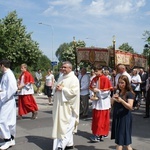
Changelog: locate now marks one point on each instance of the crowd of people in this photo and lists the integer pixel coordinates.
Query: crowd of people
(115, 92)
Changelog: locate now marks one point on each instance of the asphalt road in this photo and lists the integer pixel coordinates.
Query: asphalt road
(36, 134)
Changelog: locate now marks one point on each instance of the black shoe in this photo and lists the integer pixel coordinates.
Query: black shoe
(146, 117)
(59, 148)
(69, 147)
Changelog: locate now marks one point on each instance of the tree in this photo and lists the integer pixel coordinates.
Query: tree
(66, 51)
(16, 44)
(110, 47)
(126, 47)
(146, 50)
(43, 63)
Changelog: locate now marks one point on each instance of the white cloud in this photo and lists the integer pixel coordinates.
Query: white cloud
(129, 6)
(19, 4)
(64, 8)
(94, 8)
(51, 11)
(65, 2)
(123, 7)
(140, 3)
(106, 7)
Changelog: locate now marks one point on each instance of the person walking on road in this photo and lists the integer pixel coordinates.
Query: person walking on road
(49, 83)
(65, 109)
(38, 79)
(84, 79)
(8, 88)
(122, 103)
(26, 101)
(135, 84)
(147, 103)
(144, 77)
(101, 86)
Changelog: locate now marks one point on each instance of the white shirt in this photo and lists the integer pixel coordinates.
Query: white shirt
(84, 84)
(124, 73)
(38, 76)
(136, 79)
(49, 80)
(128, 75)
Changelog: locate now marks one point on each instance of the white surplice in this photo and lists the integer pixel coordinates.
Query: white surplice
(8, 88)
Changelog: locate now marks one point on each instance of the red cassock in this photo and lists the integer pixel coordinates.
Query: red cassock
(101, 116)
(26, 102)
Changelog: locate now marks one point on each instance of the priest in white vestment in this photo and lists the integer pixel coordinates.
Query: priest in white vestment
(8, 88)
(65, 109)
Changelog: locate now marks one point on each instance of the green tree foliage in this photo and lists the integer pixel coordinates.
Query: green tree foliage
(126, 47)
(43, 63)
(66, 51)
(16, 44)
(110, 47)
(146, 50)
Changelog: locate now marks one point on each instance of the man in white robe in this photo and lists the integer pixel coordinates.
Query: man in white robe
(8, 88)
(65, 108)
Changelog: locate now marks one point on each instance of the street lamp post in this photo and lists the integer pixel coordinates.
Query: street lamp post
(52, 35)
(75, 52)
(114, 54)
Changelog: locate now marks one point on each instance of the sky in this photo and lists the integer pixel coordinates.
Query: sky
(54, 22)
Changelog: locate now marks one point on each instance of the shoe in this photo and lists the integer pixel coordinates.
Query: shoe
(8, 144)
(50, 103)
(146, 117)
(59, 148)
(69, 147)
(39, 94)
(34, 115)
(13, 142)
(95, 138)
